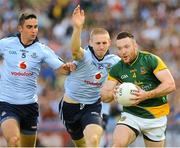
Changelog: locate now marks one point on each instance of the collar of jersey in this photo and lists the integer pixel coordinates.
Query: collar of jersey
(92, 51)
(19, 36)
(135, 59)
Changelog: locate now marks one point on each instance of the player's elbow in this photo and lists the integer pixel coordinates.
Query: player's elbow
(102, 94)
(105, 96)
(172, 86)
(104, 99)
(75, 56)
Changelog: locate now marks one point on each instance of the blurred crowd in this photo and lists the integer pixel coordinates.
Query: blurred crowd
(154, 23)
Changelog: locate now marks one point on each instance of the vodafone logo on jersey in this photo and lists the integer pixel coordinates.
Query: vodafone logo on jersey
(98, 76)
(23, 65)
(95, 82)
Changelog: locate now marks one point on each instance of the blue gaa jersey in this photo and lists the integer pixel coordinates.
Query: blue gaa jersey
(21, 67)
(83, 85)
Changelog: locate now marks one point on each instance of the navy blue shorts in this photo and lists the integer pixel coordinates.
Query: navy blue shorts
(26, 115)
(77, 116)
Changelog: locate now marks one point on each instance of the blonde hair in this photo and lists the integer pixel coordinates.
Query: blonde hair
(96, 31)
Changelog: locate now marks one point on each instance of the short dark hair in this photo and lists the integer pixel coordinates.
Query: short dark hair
(25, 16)
(124, 34)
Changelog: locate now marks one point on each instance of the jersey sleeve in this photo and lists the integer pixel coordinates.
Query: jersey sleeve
(157, 63)
(111, 78)
(52, 59)
(113, 73)
(1, 46)
(116, 59)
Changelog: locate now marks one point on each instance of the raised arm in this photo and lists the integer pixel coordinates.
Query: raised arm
(78, 19)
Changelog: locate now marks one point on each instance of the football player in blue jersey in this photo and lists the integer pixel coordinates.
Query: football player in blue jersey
(22, 58)
(80, 108)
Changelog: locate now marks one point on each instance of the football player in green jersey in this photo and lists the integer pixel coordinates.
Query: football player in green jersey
(147, 115)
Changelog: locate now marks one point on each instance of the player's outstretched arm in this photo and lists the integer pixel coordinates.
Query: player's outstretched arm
(78, 19)
(67, 68)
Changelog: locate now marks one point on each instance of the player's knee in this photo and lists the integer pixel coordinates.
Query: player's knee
(14, 141)
(93, 141)
(119, 143)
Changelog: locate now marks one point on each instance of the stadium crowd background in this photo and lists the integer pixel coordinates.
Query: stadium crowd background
(155, 24)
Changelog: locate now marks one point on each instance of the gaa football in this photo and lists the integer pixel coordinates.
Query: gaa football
(125, 93)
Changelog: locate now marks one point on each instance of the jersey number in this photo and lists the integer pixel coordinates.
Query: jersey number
(23, 55)
(134, 75)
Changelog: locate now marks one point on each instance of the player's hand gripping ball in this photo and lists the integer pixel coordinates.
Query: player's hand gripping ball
(124, 93)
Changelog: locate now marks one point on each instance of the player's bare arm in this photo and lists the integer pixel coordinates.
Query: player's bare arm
(107, 91)
(78, 19)
(67, 68)
(167, 86)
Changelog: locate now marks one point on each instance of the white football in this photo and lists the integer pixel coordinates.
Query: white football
(125, 93)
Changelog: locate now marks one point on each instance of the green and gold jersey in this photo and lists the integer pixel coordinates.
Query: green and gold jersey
(142, 73)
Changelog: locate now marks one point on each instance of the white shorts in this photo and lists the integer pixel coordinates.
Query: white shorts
(152, 129)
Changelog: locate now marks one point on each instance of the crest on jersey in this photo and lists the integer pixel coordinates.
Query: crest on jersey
(108, 66)
(22, 65)
(143, 70)
(34, 55)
